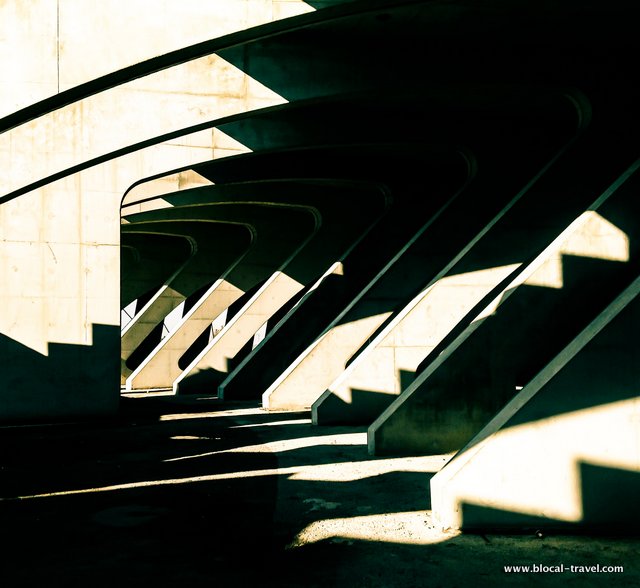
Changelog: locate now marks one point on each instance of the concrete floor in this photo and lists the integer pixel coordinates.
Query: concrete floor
(188, 491)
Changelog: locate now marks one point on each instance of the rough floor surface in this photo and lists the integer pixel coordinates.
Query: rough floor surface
(193, 492)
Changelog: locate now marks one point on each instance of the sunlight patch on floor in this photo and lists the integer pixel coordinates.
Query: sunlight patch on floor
(414, 528)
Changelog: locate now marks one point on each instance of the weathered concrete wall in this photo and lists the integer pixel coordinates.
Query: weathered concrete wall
(48, 46)
(59, 273)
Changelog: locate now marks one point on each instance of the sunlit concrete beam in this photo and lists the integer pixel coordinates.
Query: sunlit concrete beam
(503, 344)
(346, 210)
(563, 453)
(142, 269)
(217, 246)
(280, 232)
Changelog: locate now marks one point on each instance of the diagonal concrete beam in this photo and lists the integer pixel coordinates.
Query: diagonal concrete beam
(217, 247)
(142, 270)
(562, 454)
(451, 397)
(280, 232)
(347, 210)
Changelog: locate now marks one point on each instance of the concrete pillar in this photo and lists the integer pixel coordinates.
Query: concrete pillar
(218, 246)
(347, 210)
(280, 232)
(142, 269)
(444, 405)
(366, 259)
(563, 453)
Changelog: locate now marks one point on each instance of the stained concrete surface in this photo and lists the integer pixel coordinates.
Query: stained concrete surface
(190, 491)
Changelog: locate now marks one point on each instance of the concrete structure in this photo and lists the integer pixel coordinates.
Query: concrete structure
(361, 264)
(341, 222)
(273, 249)
(478, 372)
(564, 460)
(216, 248)
(364, 177)
(456, 293)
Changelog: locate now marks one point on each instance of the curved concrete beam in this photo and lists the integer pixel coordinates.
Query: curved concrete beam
(218, 246)
(280, 231)
(144, 270)
(417, 420)
(347, 210)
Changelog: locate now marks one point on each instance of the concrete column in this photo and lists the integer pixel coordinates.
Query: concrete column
(444, 405)
(363, 261)
(142, 269)
(347, 210)
(280, 231)
(563, 453)
(217, 247)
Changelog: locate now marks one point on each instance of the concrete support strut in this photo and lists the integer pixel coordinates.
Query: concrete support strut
(564, 461)
(161, 366)
(480, 369)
